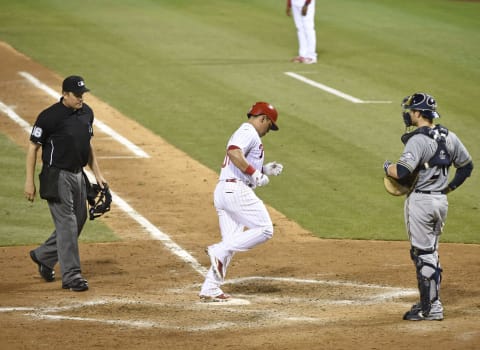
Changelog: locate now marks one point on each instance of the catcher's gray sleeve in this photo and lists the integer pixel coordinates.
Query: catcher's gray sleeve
(416, 152)
(458, 151)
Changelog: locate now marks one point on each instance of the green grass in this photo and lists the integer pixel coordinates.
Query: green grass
(24, 222)
(190, 70)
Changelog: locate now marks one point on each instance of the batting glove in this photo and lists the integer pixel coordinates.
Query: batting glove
(259, 179)
(386, 165)
(272, 168)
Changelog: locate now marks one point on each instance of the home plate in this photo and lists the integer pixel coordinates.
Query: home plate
(229, 302)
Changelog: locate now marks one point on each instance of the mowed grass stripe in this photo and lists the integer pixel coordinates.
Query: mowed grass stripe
(189, 71)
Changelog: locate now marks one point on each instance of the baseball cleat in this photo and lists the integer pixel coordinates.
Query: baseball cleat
(298, 59)
(77, 285)
(221, 298)
(47, 273)
(309, 60)
(217, 265)
(416, 314)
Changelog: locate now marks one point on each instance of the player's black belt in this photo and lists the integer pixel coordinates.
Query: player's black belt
(236, 180)
(417, 252)
(430, 192)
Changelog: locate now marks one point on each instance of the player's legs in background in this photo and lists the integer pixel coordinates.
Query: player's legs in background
(310, 34)
(301, 35)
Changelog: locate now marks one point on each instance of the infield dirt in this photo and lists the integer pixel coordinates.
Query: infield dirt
(294, 292)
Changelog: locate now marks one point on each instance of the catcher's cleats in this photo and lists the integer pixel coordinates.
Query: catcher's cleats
(99, 200)
(416, 314)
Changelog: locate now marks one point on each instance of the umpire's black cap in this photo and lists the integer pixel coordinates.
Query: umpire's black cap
(75, 84)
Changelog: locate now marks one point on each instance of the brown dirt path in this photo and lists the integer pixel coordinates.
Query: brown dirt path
(144, 297)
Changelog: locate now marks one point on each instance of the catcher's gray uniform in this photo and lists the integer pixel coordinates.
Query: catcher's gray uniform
(427, 206)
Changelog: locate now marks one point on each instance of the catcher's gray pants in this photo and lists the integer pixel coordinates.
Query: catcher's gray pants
(425, 216)
(69, 216)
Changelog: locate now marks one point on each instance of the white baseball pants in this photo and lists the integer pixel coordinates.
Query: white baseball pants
(307, 37)
(238, 207)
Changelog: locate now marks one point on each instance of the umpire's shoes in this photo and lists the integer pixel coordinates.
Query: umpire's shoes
(77, 285)
(47, 273)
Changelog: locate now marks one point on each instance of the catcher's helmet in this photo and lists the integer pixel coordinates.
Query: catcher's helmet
(264, 108)
(421, 102)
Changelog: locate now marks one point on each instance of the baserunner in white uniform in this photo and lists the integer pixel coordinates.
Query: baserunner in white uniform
(244, 221)
(429, 151)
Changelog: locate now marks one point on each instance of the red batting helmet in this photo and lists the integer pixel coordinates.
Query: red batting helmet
(264, 108)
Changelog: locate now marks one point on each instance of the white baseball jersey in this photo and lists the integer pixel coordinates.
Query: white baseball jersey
(247, 139)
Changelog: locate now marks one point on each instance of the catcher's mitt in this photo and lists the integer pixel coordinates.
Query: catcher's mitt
(400, 187)
(99, 200)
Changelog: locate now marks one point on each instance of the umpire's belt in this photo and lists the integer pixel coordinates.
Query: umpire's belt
(429, 192)
(74, 170)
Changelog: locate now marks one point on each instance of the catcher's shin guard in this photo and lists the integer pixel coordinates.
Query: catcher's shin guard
(424, 288)
(429, 277)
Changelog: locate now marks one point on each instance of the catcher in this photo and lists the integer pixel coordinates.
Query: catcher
(422, 173)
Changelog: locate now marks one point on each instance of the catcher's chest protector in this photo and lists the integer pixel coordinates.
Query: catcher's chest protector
(439, 133)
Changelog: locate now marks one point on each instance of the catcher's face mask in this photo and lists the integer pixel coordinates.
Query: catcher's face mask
(99, 200)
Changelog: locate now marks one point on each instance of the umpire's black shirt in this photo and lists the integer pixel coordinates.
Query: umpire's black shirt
(64, 134)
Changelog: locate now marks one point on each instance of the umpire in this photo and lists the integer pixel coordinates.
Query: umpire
(64, 132)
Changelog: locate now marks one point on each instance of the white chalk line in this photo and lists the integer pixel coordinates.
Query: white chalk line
(117, 157)
(312, 281)
(101, 125)
(15, 117)
(329, 89)
(243, 302)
